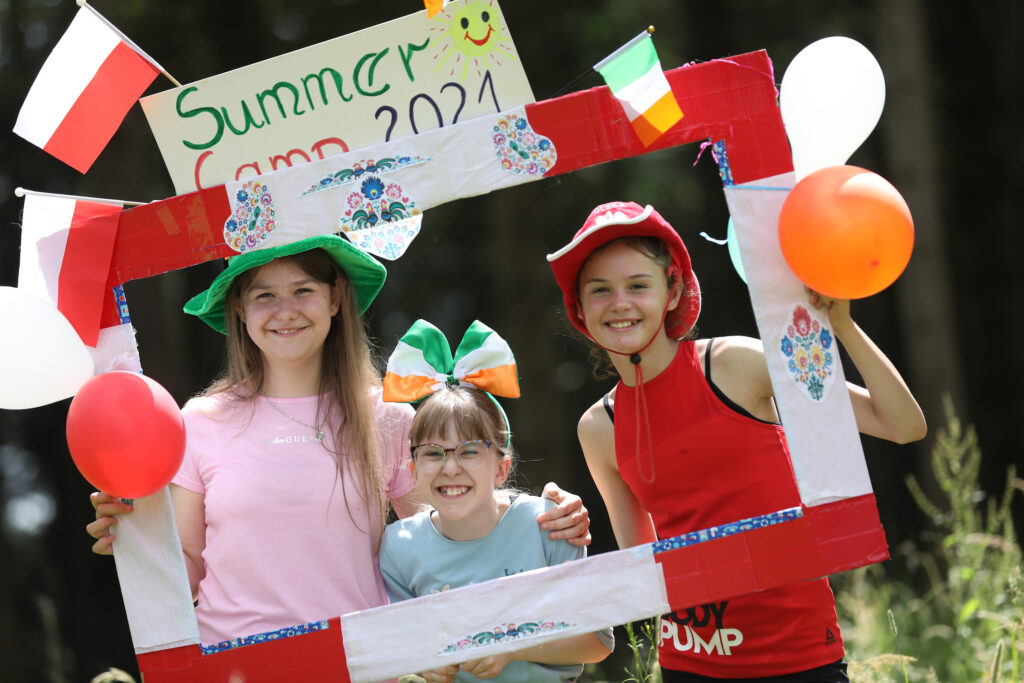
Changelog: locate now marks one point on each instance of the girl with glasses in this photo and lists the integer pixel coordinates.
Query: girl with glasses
(461, 459)
(292, 459)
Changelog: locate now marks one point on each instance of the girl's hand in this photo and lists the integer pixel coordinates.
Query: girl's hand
(107, 508)
(569, 520)
(488, 667)
(445, 674)
(838, 309)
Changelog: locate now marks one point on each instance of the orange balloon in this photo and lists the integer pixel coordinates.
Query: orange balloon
(846, 232)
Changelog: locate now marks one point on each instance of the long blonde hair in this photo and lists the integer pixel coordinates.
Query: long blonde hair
(347, 375)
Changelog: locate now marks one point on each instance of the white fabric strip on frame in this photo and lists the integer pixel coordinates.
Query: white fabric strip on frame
(824, 442)
(572, 598)
(153, 578)
(462, 163)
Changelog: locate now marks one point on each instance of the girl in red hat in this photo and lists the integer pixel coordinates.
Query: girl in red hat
(690, 438)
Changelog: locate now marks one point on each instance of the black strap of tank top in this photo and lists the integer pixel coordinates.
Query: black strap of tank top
(608, 406)
(721, 394)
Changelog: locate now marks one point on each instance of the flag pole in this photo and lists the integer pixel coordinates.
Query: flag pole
(21, 192)
(648, 32)
(129, 41)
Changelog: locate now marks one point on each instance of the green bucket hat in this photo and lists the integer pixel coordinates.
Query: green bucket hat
(366, 273)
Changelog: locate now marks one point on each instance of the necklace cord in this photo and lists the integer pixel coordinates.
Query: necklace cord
(640, 410)
(318, 430)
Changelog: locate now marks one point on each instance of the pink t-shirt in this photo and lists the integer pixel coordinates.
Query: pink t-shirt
(281, 546)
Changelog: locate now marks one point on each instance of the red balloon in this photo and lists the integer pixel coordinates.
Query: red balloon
(846, 232)
(126, 434)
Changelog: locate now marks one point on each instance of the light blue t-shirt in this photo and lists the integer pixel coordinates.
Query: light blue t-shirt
(416, 560)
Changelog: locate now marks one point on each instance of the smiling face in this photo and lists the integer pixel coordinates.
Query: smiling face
(470, 34)
(461, 490)
(473, 27)
(287, 314)
(623, 294)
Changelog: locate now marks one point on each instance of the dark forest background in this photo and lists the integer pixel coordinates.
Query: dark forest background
(949, 140)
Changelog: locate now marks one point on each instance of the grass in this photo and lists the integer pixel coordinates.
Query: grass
(950, 606)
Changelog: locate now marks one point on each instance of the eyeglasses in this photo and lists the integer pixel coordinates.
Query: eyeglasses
(432, 457)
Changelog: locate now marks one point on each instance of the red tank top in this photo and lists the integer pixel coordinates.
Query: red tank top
(714, 465)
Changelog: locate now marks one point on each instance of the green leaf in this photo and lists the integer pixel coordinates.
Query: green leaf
(968, 610)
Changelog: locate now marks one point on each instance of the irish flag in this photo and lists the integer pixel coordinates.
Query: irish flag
(634, 75)
(67, 244)
(86, 87)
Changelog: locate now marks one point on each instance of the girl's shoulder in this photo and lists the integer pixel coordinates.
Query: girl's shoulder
(219, 406)
(735, 353)
(527, 505)
(596, 425)
(413, 521)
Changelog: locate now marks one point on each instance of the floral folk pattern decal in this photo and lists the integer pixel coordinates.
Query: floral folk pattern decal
(253, 219)
(519, 149)
(380, 216)
(363, 169)
(807, 348)
(504, 633)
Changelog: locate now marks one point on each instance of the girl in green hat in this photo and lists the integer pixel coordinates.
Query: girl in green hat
(292, 458)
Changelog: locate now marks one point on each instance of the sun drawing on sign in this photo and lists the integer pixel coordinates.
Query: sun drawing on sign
(470, 34)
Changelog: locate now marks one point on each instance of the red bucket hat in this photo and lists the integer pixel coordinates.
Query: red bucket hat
(626, 219)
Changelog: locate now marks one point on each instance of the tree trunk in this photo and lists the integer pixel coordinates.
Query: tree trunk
(924, 293)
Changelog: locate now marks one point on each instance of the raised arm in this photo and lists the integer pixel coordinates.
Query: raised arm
(884, 406)
(630, 522)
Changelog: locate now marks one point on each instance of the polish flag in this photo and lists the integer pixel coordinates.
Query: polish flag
(84, 90)
(66, 247)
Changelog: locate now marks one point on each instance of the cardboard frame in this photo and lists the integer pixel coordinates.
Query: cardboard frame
(732, 102)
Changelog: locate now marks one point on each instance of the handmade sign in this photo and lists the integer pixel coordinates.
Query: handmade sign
(537, 141)
(731, 101)
(386, 82)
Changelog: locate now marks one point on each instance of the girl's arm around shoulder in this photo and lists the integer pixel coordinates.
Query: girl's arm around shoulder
(527, 508)
(569, 519)
(630, 522)
(884, 406)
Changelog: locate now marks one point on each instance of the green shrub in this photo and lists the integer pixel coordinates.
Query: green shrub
(949, 608)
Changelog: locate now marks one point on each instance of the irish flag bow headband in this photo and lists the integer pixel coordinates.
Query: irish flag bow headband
(423, 362)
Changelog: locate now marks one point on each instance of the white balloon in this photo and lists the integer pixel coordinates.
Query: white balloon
(42, 358)
(831, 99)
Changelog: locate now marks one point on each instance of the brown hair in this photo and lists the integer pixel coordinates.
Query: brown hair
(472, 413)
(347, 372)
(654, 249)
